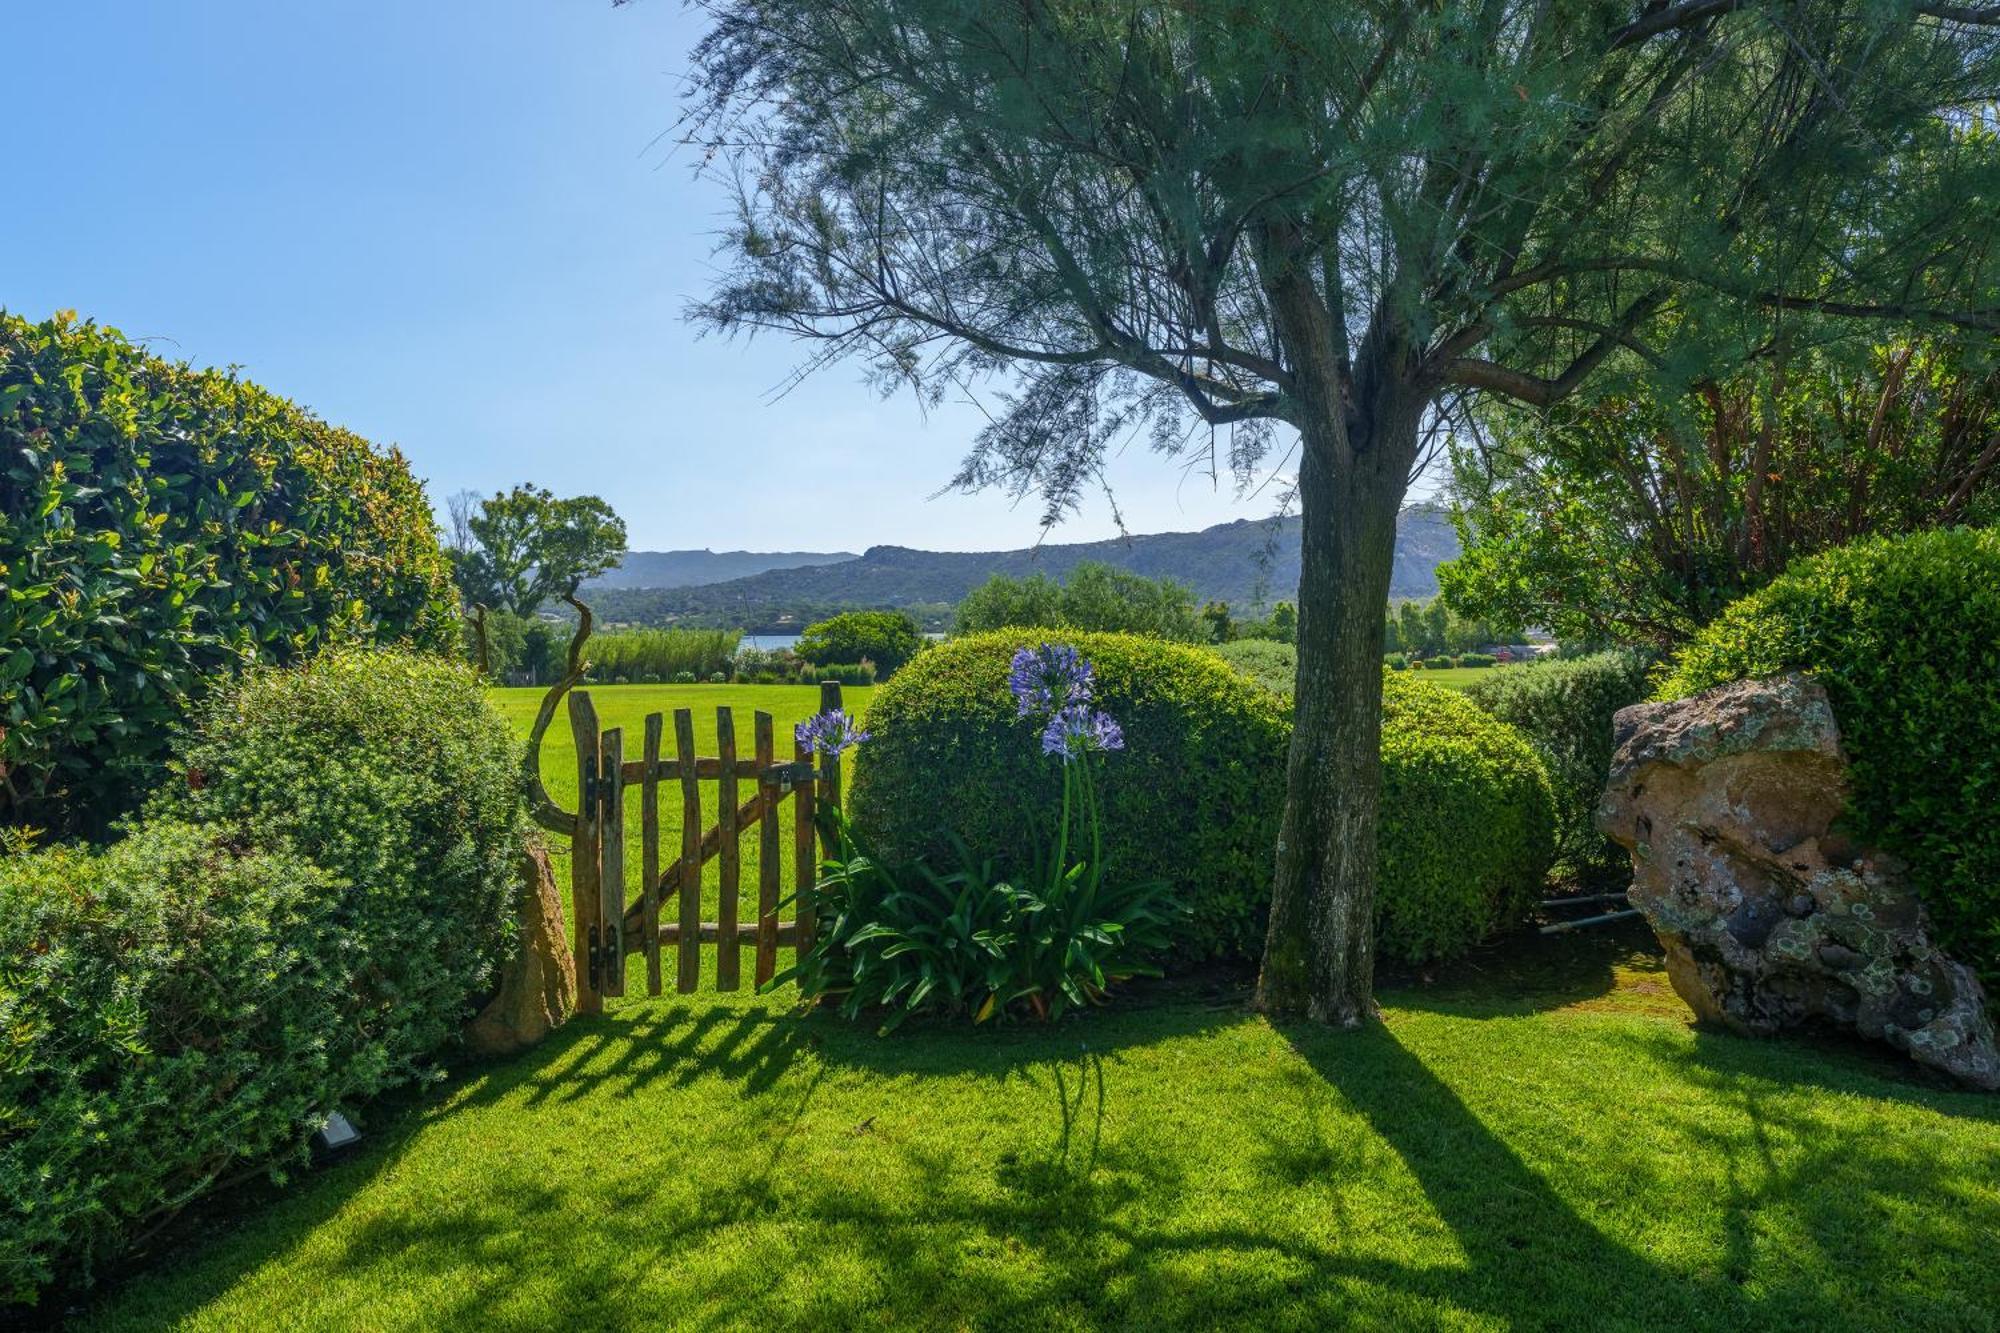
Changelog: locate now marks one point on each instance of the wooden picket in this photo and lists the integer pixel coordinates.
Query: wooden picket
(609, 928)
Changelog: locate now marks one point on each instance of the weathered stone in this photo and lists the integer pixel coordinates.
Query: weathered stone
(538, 980)
(1771, 917)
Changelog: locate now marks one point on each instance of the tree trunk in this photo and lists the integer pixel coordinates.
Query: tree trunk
(1319, 955)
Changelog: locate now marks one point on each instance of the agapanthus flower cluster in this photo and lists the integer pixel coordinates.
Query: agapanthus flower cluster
(1049, 678)
(830, 732)
(1079, 730)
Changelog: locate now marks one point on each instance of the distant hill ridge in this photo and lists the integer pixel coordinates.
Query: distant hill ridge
(1247, 563)
(691, 569)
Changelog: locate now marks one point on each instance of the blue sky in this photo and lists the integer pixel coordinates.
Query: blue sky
(441, 224)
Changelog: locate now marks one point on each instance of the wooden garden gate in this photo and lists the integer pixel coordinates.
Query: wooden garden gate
(611, 927)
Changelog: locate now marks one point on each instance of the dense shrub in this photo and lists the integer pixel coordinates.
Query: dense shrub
(1468, 823)
(392, 773)
(1194, 802)
(1477, 660)
(861, 673)
(887, 639)
(169, 1013)
(1396, 661)
(1904, 633)
(1466, 834)
(1275, 666)
(662, 654)
(161, 527)
(1565, 708)
(1437, 664)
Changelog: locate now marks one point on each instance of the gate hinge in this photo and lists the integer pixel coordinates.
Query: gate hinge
(788, 776)
(596, 961)
(613, 960)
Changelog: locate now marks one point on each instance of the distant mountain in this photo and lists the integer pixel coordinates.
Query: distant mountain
(1248, 563)
(693, 569)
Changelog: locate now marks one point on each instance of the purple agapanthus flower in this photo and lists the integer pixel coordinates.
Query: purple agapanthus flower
(1049, 678)
(830, 732)
(1079, 730)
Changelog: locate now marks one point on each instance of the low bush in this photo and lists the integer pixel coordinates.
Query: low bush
(1275, 666)
(1437, 664)
(1397, 661)
(168, 1010)
(1565, 708)
(1477, 660)
(307, 913)
(1467, 830)
(1091, 597)
(1904, 634)
(394, 774)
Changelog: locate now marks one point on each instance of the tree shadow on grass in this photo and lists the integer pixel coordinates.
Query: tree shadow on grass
(1526, 972)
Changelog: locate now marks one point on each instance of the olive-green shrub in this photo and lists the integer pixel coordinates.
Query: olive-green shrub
(1904, 633)
(160, 528)
(1196, 795)
(172, 1011)
(1565, 708)
(392, 773)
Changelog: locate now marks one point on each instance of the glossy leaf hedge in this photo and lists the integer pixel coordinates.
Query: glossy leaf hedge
(1904, 633)
(162, 527)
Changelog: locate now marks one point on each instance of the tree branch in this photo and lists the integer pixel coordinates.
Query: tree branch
(541, 807)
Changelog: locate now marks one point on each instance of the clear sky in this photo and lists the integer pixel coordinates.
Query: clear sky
(448, 225)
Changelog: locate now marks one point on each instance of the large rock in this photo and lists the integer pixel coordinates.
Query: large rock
(1772, 917)
(538, 981)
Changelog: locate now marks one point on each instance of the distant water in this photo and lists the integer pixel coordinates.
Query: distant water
(769, 642)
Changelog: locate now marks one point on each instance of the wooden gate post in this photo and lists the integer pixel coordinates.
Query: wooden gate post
(611, 864)
(585, 904)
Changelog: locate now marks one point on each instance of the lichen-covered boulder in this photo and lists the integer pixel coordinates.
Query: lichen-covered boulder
(538, 981)
(1772, 919)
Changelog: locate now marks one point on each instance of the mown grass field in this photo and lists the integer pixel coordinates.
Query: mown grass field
(1458, 678)
(626, 707)
(1539, 1141)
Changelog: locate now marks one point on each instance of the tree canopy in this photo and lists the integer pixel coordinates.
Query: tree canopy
(517, 549)
(1092, 596)
(1211, 222)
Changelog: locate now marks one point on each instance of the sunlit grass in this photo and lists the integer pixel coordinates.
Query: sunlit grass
(1538, 1141)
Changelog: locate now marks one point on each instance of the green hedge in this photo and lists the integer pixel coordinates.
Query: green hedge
(307, 914)
(161, 527)
(1565, 709)
(1273, 665)
(1196, 795)
(1904, 633)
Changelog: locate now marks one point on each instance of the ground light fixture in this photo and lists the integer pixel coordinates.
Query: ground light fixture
(336, 1134)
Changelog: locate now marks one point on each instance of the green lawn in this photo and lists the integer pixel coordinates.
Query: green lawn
(626, 707)
(1539, 1140)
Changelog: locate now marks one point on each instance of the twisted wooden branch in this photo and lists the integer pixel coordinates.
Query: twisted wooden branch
(545, 811)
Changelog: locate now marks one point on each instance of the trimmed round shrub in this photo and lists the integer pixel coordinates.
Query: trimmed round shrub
(1904, 634)
(1467, 826)
(1565, 709)
(171, 1012)
(1192, 799)
(162, 527)
(392, 773)
(1477, 660)
(1196, 795)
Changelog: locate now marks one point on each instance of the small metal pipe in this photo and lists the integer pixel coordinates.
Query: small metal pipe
(1585, 898)
(1589, 921)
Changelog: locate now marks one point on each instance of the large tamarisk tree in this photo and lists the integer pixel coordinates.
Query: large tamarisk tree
(1255, 225)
